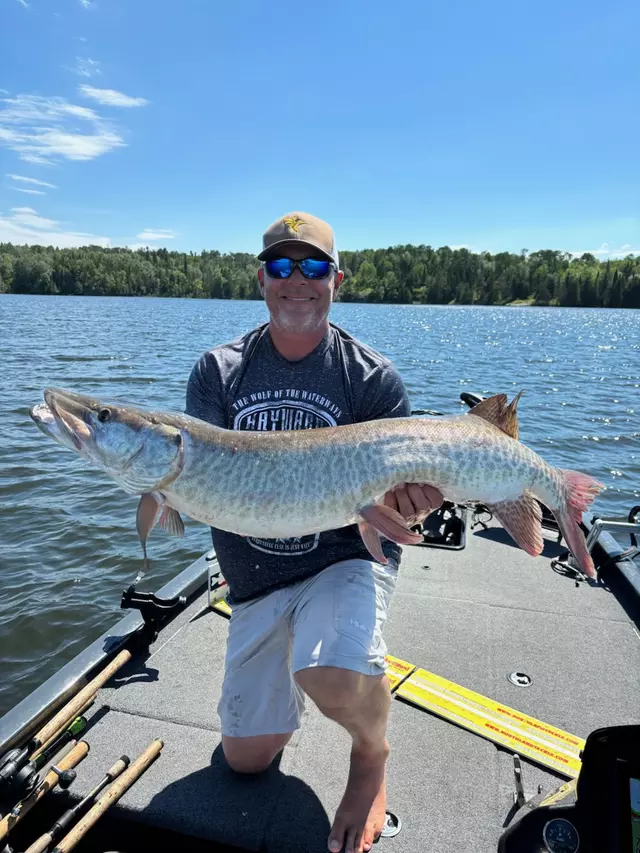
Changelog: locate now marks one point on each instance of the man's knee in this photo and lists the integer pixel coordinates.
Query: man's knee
(338, 691)
(253, 754)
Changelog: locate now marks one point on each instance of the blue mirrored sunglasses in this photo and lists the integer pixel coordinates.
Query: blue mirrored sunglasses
(309, 267)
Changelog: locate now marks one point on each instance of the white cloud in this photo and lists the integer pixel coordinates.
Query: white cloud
(111, 98)
(34, 181)
(86, 67)
(158, 234)
(606, 251)
(23, 3)
(24, 225)
(31, 192)
(86, 3)
(41, 130)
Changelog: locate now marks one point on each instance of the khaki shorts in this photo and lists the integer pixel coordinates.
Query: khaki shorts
(333, 619)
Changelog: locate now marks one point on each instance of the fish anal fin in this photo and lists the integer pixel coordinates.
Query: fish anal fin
(171, 521)
(371, 539)
(522, 519)
(498, 412)
(390, 523)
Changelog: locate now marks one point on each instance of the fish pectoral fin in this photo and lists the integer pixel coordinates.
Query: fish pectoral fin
(390, 523)
(146, 516)
(171, 521)
(522, 519)
(145, 521)
(371, 539)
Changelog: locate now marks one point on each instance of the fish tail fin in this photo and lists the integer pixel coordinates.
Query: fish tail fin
(580, 492)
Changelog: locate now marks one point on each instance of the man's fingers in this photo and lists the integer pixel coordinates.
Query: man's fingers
(390, 500)
(433, 495)
(405, 504)
(413, 501)
(419, 499)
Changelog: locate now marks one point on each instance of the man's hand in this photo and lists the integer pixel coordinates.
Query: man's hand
(414, 502)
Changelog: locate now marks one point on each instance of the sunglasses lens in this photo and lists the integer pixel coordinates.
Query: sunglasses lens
(312, 268)
(279, 267)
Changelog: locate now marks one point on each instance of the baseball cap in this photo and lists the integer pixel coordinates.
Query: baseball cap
(299, 227)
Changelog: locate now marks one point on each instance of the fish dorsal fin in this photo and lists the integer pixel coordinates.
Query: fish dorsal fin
(498, 412)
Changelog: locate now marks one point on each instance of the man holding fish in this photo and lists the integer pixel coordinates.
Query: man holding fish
(308, 611)
(306, 523)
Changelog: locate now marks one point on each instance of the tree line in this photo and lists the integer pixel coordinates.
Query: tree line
(398, 274)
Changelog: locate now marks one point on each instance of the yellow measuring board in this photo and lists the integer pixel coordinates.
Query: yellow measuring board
(397, 671)
(520, 733)
(222, 607)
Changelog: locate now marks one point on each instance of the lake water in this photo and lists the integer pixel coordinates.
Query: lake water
(68, 544)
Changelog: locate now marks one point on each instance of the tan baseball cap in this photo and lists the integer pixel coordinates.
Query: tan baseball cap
(299, 227)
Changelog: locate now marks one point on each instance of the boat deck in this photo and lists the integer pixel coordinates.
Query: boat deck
(472, 616)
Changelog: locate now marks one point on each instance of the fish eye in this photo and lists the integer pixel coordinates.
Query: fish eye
(104, 414)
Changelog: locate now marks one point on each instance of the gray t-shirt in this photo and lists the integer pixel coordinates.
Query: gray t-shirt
(248, 385)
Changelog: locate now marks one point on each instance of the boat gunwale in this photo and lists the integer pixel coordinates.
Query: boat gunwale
(24, 719)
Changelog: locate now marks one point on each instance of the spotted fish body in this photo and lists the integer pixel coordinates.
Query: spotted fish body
(284, 484)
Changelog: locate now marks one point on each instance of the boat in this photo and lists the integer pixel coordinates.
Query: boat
(515, 705)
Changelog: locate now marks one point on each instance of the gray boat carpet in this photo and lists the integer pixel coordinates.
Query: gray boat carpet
(471, 616)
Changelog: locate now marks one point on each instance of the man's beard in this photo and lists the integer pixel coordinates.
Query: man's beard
(293, 323)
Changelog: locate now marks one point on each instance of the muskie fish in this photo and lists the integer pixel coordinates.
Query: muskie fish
(295, 483)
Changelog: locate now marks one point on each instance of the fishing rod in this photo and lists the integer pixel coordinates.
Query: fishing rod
(55, 776)
(72, 814)
(70, 710)
(57, 724)
(19, 773)
(111, 796)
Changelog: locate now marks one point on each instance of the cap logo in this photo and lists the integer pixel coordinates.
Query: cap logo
(294, 223)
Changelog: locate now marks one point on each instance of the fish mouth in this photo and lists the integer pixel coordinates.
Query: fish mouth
(62, 416)
(43, 418)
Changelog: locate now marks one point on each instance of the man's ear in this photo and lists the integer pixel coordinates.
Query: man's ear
(261, 280)
(338, 279)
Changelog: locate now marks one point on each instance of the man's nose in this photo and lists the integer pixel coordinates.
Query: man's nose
(297, 277)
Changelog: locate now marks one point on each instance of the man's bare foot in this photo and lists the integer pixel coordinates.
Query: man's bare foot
(361, 814)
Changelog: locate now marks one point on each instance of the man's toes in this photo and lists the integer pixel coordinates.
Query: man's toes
(336, 838)
(334, 845)
(354, 842)
(368, 837)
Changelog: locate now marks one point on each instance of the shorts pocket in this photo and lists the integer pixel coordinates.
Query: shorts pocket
(355, 608)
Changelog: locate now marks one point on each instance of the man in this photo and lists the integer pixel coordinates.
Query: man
(307, 612)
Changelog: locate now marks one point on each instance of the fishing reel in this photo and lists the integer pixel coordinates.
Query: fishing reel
(18, 775)
(20, 778)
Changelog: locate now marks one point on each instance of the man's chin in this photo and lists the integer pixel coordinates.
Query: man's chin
(298, 322)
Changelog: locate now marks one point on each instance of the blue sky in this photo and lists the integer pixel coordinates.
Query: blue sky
(193, 125)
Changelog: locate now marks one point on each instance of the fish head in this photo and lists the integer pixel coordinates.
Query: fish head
(132, 446)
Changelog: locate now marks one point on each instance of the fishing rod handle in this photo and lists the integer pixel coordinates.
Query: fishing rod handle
(70, 710)
(121, 764)
(71, 759)
(65, 821)
(111, 796)
(41, 844)
(112, 773)
(64, 728)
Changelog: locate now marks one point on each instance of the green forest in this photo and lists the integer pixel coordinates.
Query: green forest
(398, 274)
